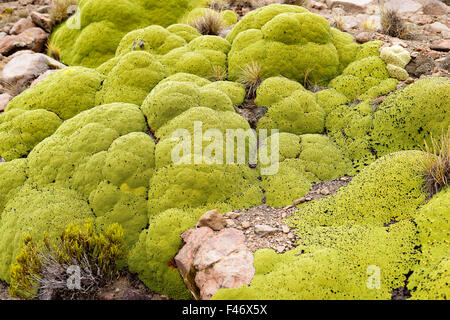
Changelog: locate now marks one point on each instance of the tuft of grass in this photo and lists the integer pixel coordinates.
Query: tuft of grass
(210, 23)
(393, 25)
(436, 164)
(53, 51)
(59, 10)
(251, 78)
(218, 73)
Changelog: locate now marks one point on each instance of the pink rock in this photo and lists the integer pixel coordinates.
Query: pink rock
(441, 45)
(213, 219)
(22, 25)
(219, 246)
(193, 238)
(234, 270)
(4, 100)
(33, 39)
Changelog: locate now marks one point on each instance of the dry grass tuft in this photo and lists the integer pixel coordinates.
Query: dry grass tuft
(436, 164)
(59, 10)
(53, 51)
(210, 23)
(251, 78)
(393, 25)
(218, 73)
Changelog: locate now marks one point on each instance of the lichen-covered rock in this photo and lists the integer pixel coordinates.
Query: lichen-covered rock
(291, 109)
(12, 177)
(37, 211)
(21, 130)
(303, 42)
(430, 278)
(66, 93)
(408, 117)
(90, 37)
(134, 75)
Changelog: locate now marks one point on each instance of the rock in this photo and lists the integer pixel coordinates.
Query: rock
(444, 63)
(299, 201)
(42, 77)
(33, 39)
(5, 98)
(403, 6)
(246, 225)
(438, 27)
(231, 223)
(213, 219)
(363, 37)
(409, 80)
(24, 68)
(22, 25)
(233, 215)
(265, 229)
(325, 191)
(318, 5)
(193, 239)
(422, 64)
(234, 270)
(134, 296)
(2, 35)
(285, 228)
(219, 246)
(43, 9)
(350, 6)
(441, 45)
(280, 248)
(435, 7)
(42, 20)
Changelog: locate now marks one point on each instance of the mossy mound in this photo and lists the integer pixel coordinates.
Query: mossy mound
(194, 185)
(134, 75)
(90, 37)
(340, 269)
(21, 130)
(291, 108)
(431, 277)
(65, 93)
(408, 117)
(180, 92)
(290, 41)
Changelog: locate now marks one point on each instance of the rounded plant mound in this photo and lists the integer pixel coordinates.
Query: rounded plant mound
(90, 37)
(290, 41)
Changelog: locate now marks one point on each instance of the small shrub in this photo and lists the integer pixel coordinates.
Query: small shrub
(393, 25)
(251, 78)
(43, 273)
(436, 163)
(210, 23)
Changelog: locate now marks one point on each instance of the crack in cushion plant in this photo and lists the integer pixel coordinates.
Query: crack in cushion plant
(290, 41)
(102, 24)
